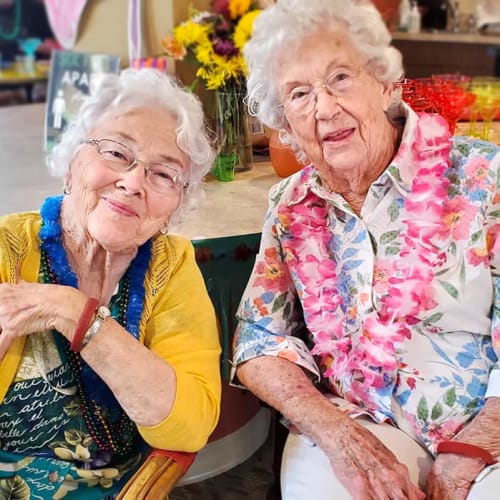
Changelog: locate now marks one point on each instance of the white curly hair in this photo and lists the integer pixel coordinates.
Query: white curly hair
(135, 88)
(281, 27)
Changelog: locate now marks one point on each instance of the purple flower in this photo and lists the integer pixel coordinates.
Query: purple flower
(224, 47)
(221, 7)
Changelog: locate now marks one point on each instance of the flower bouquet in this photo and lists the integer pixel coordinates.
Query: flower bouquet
(214, 42)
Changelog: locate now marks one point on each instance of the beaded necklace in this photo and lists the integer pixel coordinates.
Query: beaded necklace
(108, 424)
(16, 25)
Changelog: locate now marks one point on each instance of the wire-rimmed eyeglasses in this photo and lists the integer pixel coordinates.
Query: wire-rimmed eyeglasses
(162, 177)
(302, 99)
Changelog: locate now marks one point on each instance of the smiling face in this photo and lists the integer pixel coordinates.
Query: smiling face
(119, 210)
(347, 135)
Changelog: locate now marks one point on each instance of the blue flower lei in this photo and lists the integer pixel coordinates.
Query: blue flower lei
(52, 244)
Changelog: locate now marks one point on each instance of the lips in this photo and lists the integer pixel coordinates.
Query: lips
(121, 208)
(338, 135)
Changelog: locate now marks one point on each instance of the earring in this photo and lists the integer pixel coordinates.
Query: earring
(164, 229)
(66, 189)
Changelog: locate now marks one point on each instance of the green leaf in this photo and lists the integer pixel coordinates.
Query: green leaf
(434, 318)
(287, 310)
(443, 271)
(14, 488)
(450, 397)
(422, 409)
(392, 250)
(393, 211)
(476, 236)
(74, 436)
(279, 302)
(437, 411)
(449, 288)
(386, 238)
(471, 406)
(193, 85)
(495, 214)
(464, 149)
(394, 171)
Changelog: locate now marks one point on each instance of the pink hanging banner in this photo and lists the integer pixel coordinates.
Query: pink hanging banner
(64, 17)
(135, 32)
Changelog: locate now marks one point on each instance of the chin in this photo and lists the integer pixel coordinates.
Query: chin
(118, 246)
(111, 239)
(342, 160)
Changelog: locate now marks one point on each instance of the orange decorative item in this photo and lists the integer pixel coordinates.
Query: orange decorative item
(389, 9)
(283, 159)
(149, 62)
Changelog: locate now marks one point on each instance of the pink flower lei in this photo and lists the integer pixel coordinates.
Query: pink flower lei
(368, 358)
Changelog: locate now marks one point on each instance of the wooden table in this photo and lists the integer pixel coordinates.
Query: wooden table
(11, 78)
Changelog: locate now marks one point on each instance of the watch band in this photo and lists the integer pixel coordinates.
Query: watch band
(466, 449)
(84, 323)
(102, 314)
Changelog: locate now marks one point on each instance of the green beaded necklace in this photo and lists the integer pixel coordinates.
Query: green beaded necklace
(17, 24)
(110, 427)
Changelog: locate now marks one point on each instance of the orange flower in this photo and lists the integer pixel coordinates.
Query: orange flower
(289, 355)
(261, 307)
(173, 48)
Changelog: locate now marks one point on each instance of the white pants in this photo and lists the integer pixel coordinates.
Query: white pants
(306, 472)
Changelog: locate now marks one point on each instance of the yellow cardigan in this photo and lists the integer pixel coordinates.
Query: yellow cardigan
(178, 323)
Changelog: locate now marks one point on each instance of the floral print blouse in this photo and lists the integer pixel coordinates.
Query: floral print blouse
(397, 311)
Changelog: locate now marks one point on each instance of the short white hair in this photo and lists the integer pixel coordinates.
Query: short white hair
(280, 27)
(137, 88)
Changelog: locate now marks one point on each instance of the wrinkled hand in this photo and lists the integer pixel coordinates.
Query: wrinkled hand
(452, 476)
(27, 308)
(368, 469)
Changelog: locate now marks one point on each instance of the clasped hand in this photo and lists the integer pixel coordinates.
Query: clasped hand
(27, 308)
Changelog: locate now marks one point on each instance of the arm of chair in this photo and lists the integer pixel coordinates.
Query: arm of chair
(157, 476)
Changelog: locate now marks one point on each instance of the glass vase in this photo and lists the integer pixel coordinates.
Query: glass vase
(234, 145)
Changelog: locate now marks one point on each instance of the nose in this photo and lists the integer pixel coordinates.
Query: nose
(326, 104)
(133, 181)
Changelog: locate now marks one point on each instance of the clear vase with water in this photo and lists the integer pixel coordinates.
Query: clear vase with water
(234, 145)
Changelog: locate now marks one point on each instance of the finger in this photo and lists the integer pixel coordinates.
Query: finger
(416, 494)
(5, 342)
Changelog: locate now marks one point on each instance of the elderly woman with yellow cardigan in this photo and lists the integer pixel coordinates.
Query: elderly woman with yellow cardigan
(108, 342)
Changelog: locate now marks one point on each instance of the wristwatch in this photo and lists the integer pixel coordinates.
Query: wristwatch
(102, 314)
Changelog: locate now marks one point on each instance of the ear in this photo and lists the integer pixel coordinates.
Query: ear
(67, 177)
(387, 94)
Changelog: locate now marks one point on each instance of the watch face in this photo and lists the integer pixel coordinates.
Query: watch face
(103, 312)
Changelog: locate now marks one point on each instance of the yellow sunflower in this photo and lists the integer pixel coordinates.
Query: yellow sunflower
(238, 7)
(243, 30)
(213, 78)
(191, 33)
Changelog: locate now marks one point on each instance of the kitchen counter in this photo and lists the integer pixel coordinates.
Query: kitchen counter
(428, 53)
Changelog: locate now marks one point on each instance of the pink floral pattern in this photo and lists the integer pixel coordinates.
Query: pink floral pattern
(371, 304)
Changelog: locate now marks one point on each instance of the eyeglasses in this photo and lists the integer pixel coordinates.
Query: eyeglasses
(161, 177)
(301, 100)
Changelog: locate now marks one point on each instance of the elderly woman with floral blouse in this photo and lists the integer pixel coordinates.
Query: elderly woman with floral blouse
(371, 319)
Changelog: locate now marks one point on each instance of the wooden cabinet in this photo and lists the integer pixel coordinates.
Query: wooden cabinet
(425, 54)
